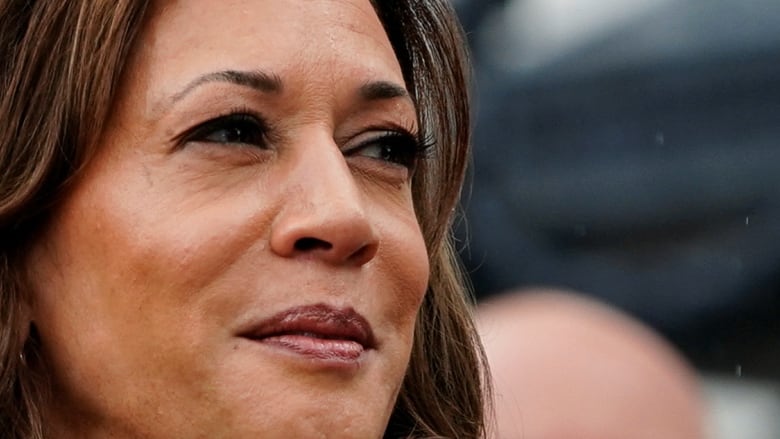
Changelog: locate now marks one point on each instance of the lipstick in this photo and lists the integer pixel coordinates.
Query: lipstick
(317, 332)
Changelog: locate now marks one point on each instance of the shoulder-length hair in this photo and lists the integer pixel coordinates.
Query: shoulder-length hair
(60, 64)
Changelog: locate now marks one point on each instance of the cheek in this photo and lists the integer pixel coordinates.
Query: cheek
(405, 261)
(120, 289)
(122, 254)
(168, 228)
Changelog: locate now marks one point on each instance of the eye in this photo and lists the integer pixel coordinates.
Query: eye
(399, 148)
(236, 129)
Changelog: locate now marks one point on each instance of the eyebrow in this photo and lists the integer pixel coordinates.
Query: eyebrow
(271, 83)
(256, 79)
(379, 90)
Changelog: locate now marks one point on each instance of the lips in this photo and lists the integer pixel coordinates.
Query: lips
(318, 332)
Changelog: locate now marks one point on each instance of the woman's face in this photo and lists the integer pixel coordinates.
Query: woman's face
(242, 257)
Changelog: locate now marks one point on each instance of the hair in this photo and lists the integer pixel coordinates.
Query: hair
(60, 67)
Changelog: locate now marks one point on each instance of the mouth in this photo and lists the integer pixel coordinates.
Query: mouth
(316, 332)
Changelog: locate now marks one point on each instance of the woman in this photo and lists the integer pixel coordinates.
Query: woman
(231, 219)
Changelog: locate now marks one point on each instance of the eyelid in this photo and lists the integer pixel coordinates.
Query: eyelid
(372, 133)
(411, 147)
(186, 136)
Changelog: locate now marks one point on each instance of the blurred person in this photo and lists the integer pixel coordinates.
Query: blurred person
(635, 161)
(231, 220)
(567, 367)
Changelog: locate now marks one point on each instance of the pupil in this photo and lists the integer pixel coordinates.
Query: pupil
(235, 135)
(387, 153)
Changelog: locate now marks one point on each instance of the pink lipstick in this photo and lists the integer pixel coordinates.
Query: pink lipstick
(319, 332)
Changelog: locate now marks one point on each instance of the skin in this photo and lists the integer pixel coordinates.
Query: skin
(165, 250)
(567, 367)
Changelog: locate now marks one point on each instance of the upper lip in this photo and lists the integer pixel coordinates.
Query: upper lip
(320, 321)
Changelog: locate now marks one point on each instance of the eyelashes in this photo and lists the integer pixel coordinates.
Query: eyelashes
(397, 147)
(238, 128)
(242, 127)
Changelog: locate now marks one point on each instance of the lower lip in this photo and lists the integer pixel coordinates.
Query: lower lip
(327, 351)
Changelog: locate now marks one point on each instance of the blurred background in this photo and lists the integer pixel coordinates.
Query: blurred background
(629, 149)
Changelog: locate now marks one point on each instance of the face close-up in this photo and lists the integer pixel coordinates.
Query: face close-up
(241, 258)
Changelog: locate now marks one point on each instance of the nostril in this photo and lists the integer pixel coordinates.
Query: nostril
(306, 244)
(365, 254)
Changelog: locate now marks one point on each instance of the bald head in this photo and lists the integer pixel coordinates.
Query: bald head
(565, 367)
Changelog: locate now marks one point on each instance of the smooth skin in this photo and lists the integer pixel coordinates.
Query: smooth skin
(258, 158)
(568, 367)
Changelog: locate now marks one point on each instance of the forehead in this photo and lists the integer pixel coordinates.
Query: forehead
(333, 39)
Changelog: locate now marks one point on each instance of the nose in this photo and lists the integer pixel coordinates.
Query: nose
(324, 216)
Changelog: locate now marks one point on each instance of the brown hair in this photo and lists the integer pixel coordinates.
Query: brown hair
(60, 64)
